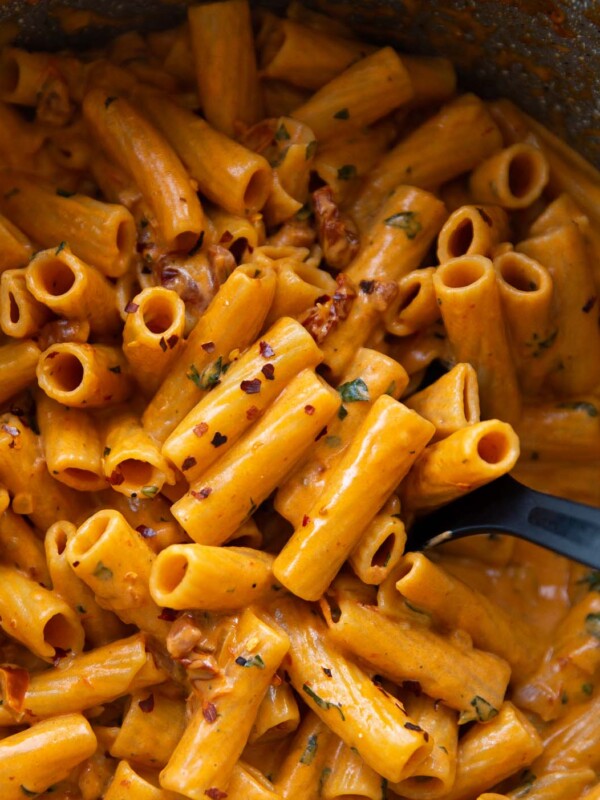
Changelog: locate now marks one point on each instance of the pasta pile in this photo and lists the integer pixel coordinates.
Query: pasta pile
(267, 293)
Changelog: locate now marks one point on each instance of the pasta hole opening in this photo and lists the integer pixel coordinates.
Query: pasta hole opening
(257, 190)
(330, 607)
(10, 75)
(60, 540)
(185, 241)
(522, 175)
(409, 297)
(58, 632)
(158, 315)
(56, 278)
(171, 572)
(493, 447)
(66, 370)
(93, 530)
(461, 273)
(461, 239)
(416, 758)
(518, 274)
(126, 237)
(403, 570)
(14, 312)
(84, 477)
(135, 472)
(383, 553)
(247, 540)
(238, 248)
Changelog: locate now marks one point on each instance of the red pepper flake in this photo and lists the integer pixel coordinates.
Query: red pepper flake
(147, 705)
(305, 520)
(168, 614)
(410, 726)
(322, 299)
(310, 410)
(200, 429)
(218, 439)
(172, 341)
(208, 347)
(131, 307)
(252, 413)
(269, 372)
(209, 712)
(116, 479)
(11, 430)
(59, 654)
(590, 303)
(367, 287)
(327, 671)
(227, 237)
(321, 433)
(266, 350)
(188, 463)
(163, 344)
(146, 532)
(251, 387)
(485, 217)
(215, 794)
(202, 494)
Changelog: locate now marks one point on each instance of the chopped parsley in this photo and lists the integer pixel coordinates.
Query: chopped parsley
(310, 750)
(209, 377)
(485, 711)
(60, 248)
(282, 133)
(253, 661)
(592, 579)
(592, 625)
(343, 113)
(354, 391)
(407, 221)
(311, 149)
(346, 172)
(342, 412)
(149, 491)
(324, 704)
(581, 405)
(64, 193)
(102, 572)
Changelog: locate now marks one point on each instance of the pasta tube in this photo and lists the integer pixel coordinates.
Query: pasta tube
(253, 657)
(233, 320)
(434, 153)
(15, 247)
(18, 363)
(391, 435)
(211, 578)
(21, 548)
(409, 651)
(97, 676)
(567, 430)
(451, 403)
(127, 784)
(467, 291)
(472, 231)
(133, 463)
(306, 57)
(250, 386)
(100, 626)
(152, 726)
(526, 293)
(435, 776)
(349, 776)
(576, 336)
(278, 715)
(456, 605)
(228, 174)
(84, 375)
(365, 92)
(490, 752)
(371, 721)
(415, 306)
(381, 545)
(37, 617)
(138, 148)
(370, 375)
(466, 459)
(115, 562)
(70, 288)
(100, 234)
(72, 447)
(227, 77)
(221, 499)
(513, 178)
(65, 742)
(248, 783)
(21, 315)
(153, 333)
(302, 770)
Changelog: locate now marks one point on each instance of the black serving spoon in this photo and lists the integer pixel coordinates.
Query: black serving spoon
(506, 506)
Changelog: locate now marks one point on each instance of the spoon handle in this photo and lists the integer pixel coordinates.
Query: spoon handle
(506, 506)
